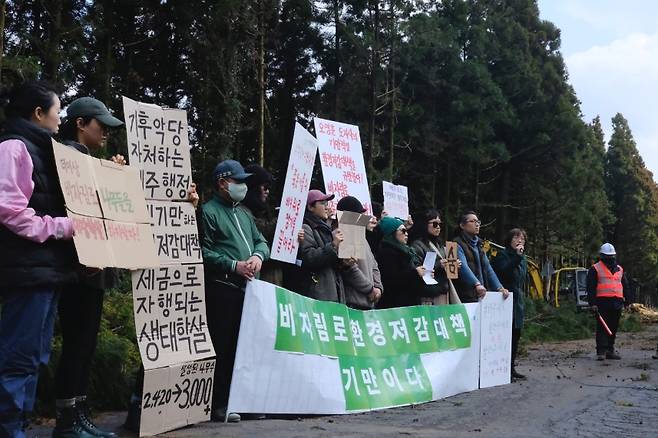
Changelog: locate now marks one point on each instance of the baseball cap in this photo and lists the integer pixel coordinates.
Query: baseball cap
(90, 107)
(230, 169)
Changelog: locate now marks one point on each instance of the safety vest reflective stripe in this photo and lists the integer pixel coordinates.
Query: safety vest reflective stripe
(608, 284)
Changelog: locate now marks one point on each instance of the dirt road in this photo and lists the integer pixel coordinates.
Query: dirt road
(567, 394)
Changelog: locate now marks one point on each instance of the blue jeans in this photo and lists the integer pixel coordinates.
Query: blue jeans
(26, 331)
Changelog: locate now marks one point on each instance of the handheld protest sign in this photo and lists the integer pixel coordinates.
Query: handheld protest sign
(176, 396)
(76, 177)
(108, 211)
(159, 146)
(452, 268)
(341, 157)
(396, 200)
(295, 191)
(353, 226)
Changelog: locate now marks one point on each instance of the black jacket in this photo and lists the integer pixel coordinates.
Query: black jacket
(402, 284)
(25, 263)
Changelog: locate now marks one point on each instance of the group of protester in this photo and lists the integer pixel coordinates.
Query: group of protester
(40, 269)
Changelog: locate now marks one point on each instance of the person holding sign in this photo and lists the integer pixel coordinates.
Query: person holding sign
(607, 293)
(319, 274)
(362, 279)
(233, 253)
(429, 240)
(402, 276)
(38, 257)
(511, 267)
(85, 129)
(476, 276)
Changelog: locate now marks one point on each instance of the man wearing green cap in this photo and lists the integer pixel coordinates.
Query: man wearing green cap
(85, 129)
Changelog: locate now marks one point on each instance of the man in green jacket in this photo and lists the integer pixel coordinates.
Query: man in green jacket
(233, 253)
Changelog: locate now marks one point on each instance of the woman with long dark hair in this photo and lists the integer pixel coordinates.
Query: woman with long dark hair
(38, 257)
(428, 232)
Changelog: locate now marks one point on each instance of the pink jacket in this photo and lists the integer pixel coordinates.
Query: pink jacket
(16, 187)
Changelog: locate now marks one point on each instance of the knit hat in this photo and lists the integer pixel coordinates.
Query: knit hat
(389, 224)
(350, 203)
(259, 176)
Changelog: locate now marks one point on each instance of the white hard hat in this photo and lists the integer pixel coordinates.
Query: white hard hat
(607, 249)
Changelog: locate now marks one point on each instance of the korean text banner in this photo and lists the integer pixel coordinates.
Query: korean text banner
(298, 355)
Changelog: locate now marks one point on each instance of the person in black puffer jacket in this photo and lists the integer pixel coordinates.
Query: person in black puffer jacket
(38, 257)
(402, 276)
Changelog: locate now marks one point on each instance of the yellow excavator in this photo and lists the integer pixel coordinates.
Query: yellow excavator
(565, 283)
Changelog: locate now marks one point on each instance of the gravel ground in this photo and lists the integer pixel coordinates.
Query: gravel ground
(567, 394)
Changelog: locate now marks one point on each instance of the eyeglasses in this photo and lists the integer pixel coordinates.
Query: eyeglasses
(474, 221)
(403, 230)
(435, 224)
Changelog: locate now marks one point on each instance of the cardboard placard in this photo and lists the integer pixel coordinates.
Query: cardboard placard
(91, 242)
(170, 315)
(119, 192)
(158, 145)
(341, 157)
(76, 177)
(452, 268)
(175, 232)
(295, 192)
(176, 396)
(353, 226)
(396, 200)
(108, 211)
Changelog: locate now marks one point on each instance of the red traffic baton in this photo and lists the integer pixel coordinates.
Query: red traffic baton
(602, 321)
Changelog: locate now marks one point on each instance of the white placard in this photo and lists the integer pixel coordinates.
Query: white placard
(295, 192)
(175, 232)
(159, 146)
(341, 157)
(428, 264)
(396, 200)
(176, 396)
(170, 315)
(496, 339)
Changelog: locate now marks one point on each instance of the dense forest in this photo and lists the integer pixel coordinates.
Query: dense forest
(467, 102)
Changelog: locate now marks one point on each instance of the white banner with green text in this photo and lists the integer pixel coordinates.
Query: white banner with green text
(303, 356)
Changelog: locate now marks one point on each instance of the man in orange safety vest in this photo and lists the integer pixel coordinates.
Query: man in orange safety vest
(607, 292)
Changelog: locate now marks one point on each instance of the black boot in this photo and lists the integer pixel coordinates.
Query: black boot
(517, 375)
(68, 424)
(84, 417)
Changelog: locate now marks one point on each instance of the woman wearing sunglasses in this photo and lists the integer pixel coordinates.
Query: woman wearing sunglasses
(398, 263)
(428, 239)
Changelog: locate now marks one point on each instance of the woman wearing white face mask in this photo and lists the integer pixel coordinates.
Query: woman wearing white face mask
(233, 253)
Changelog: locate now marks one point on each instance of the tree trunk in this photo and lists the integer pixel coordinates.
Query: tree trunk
(374, 67)
(503, 213)
(337, 7)
(51, 54)
(2, 34)
(261, 84)
(392, 97)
